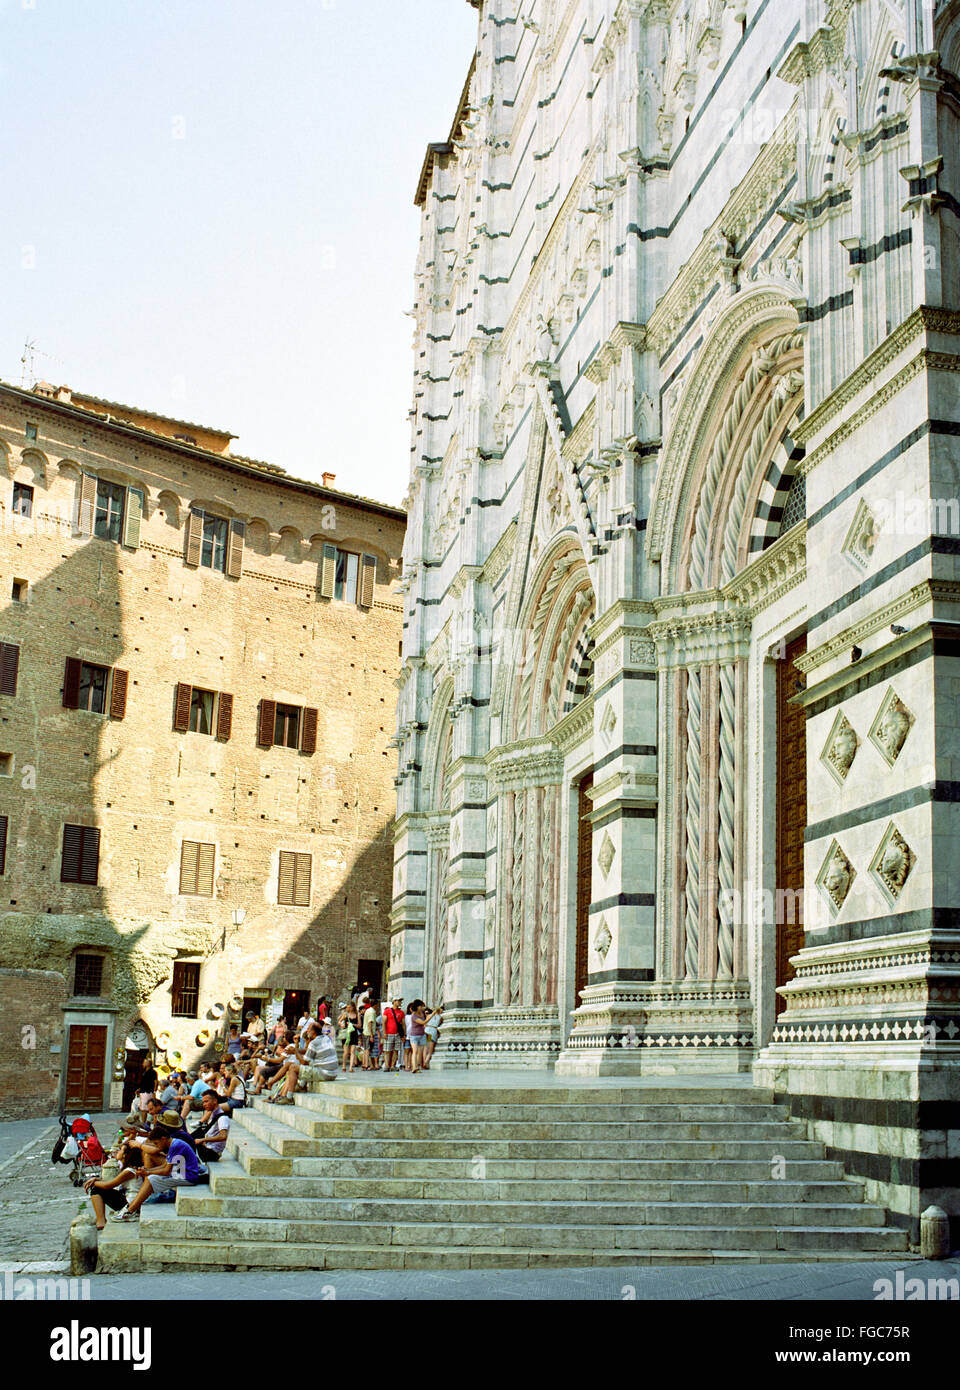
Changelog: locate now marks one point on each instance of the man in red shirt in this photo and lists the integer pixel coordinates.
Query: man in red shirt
(392, 1035)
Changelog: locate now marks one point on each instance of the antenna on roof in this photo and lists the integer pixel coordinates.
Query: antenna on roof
(28, 377)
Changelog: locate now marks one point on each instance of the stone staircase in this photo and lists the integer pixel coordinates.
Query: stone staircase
(403, 1174)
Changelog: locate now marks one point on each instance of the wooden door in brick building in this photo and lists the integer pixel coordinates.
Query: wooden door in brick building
(86, 1062)
(584, 875)
(791, 811)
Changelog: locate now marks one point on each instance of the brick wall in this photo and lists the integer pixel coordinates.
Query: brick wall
(31, 1025)
(267, 635)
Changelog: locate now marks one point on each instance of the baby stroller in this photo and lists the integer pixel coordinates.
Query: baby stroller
(78, 1145)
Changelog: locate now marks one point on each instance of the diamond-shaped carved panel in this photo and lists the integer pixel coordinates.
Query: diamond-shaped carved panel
(889, 731)
(607, 854)
(861, 539)
(603, 939)
(836, 876)
(892, 864)
(840, 748)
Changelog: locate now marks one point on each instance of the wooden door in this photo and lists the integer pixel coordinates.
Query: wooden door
(791, 811)
(86, 1063)
(584, 875)
(132, 1072)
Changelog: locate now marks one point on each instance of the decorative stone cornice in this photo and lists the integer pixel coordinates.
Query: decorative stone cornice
(532, 762)
(926, 592)
(697, 638)
(775, 571)
(500, 556)
(625, 613)
(923, 320)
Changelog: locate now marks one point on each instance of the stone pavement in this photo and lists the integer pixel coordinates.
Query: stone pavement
(842, 1282)
(37, 1201)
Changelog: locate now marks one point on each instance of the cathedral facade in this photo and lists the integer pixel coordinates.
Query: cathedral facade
(680, 686)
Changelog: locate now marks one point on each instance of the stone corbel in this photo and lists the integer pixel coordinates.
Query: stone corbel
(923, 181)
(852, 246)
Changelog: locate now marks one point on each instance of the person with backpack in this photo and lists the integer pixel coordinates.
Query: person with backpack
(393, 1030)
(210, 1136)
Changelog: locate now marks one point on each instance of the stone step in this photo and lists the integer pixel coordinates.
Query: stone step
(605, 1132)
(419, 1091)
(290, 1143)
(540, 1210)
(224, 1234)
(236, 1183)
(730, 1112)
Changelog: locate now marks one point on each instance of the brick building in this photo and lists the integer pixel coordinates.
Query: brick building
(197, 662)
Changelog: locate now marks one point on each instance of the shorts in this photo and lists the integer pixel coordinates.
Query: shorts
(432, 1033)
(418, 1042)
(113, 1197)
(159, 1183)
(390, 1042)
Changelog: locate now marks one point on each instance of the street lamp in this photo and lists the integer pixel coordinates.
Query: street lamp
(239, 916)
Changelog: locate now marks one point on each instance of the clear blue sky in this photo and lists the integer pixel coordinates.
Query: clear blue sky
(208, 211)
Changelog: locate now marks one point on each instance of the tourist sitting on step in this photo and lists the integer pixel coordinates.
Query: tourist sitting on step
(269, 1064)
(210, 1135)
(176, 1165)
(318, 1053)
(137, 1153)
(195, 1089)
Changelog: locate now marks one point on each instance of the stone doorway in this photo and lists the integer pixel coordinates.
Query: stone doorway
(86, 1063)
(791, 811)
(584, 877)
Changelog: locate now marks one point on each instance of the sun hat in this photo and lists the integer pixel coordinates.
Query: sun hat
(169, 1119)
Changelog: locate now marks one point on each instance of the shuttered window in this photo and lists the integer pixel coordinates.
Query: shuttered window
(293, 880)
(197, 862)
(9, 667)
(85, 686)
(4, 821)
(186, 989)
(199, 711)
(287, 726)
(80, 859)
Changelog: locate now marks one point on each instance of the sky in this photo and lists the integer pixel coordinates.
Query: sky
(208, 212)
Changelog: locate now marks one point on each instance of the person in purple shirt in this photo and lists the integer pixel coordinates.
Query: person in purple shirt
(180, 1168)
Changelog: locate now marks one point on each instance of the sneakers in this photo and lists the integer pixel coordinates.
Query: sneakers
(125, 1215)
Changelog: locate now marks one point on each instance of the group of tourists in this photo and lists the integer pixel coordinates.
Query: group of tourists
(157, 1151)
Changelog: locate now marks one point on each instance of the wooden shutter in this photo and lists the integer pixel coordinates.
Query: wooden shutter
(132, 516)
(81, 854)
(88, 502)
(268, 723)
(368, 575)
(224, 716)
(3, 844)
(328, 571)
(9, 666)
(205, 866)
(308, 742)
(118, 693)
(90, 855)
(70, 858)
(189, 859)
(194, 536)
(71, 683)
(286, 878)
(181, 708)
(235, 549)
(301, 885)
